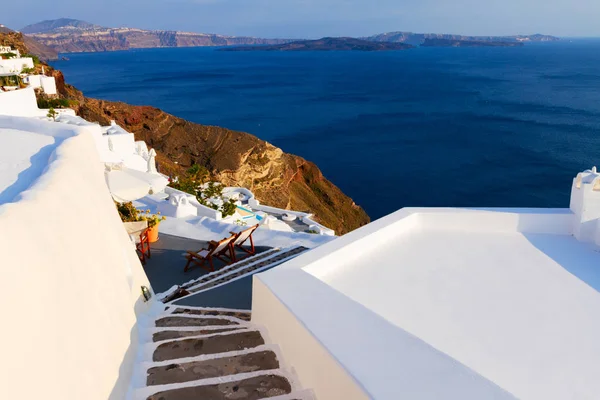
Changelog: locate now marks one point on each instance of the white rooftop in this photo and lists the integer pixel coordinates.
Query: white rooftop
(462, 304)
(23, 157)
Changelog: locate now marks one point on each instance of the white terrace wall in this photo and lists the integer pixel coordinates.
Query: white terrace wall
(15, 65)
(21, 103)
(70, 280)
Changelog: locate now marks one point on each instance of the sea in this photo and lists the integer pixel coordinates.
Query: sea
(427, 127)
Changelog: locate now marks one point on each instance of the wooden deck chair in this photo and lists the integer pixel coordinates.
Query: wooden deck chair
(215, 250)
(138, 231)
(240, 239)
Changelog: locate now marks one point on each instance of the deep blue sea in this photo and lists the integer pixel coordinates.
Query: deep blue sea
(425, 127)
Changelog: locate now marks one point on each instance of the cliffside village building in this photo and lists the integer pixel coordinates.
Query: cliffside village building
(423, 304)
(13, 73)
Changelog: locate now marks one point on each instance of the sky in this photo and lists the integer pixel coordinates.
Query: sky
(318, 18)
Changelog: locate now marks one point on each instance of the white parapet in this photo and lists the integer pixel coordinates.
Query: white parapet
(34, 81)
(15, 65)
(48, 85)
(585, 204)
(20, 103)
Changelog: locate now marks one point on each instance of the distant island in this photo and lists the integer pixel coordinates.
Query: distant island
(468, 43)
(326, 44)
(418, 39)
(66, 35)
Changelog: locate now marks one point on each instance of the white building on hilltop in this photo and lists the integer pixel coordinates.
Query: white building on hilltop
(18, 65)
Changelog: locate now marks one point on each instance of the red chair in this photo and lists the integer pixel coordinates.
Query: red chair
(139, 234)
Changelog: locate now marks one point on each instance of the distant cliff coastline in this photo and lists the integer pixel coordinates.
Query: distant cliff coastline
(418, 39)
(72, 36)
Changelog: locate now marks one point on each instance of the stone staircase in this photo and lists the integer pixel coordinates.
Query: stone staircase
(245, 267)
(208, 353)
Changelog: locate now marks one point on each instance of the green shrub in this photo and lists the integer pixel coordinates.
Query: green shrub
(228, 208)
(7, 56)
(52, 113)
(53, 103)
(128, 212)
(192, 182)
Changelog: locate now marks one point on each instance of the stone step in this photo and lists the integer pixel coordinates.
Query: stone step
(178, 334)
(170, 322)
(243, 315)
(273, 260)
(220, 343)
(255, 388)
(212, 368)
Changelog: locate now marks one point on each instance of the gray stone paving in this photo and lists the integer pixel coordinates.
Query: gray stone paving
(169, 322)
(165, 268)
(260, 387)
(282, 255)
(211, 345)
(191, 371)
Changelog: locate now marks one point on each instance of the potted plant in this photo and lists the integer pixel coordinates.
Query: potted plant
(129, 213)
(153, 221)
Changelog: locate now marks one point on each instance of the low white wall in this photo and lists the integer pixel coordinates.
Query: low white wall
(20, 103)
(312, 364)
(71, 280)
(304, 217)
(524, 220)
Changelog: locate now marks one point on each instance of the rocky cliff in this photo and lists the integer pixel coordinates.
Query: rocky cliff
(235, 158)
(72, 36)
(26, 45)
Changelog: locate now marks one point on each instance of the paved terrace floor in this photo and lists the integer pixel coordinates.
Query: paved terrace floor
(165, 269)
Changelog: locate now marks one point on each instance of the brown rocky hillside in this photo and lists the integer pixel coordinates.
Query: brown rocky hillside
(26, 45)
(235, 158)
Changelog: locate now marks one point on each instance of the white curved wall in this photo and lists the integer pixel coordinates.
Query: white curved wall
(70, 280)
(20, 103)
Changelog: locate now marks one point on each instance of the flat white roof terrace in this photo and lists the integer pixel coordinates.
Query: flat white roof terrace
(508, 294)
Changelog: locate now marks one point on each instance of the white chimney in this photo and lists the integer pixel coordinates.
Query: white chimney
(585, 204)
(152, 162)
